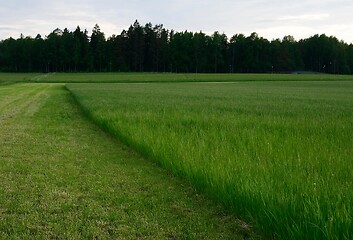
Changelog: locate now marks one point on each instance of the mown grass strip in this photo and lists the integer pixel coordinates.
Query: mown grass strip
(279, 153)
(62, 177)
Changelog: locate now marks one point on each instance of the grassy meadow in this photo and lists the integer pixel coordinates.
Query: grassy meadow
(17, 77)
(278, 153)
(61, 177)
(275, 150)
(174, 77)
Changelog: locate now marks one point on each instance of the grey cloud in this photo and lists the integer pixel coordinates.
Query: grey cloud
(272, 18)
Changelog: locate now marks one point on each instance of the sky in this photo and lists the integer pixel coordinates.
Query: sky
(271, 19)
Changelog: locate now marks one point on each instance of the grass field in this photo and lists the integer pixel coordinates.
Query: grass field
(17, 77)
(61, 177)
(276, 150)
(277, 153)
(172, 77)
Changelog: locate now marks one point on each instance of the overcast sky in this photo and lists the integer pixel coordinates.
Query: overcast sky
(269, 18)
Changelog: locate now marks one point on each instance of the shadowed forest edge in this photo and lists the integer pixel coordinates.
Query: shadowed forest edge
(156, 49)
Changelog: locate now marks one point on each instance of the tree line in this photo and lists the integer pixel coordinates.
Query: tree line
(152, 48)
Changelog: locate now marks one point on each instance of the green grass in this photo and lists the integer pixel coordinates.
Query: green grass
(172, 77)
(277, 153)
(17, 77)
(61, 177)
(162, 77)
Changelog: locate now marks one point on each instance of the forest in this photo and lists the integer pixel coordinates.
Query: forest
(152, 48)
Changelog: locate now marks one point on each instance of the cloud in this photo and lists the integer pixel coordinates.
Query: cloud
(305, 17)
(275, 18)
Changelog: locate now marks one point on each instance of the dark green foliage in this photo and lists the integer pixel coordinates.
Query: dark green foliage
(155, 49)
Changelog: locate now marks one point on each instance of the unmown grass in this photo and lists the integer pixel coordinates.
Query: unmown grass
(276, 153)
(174, 77)
(6, 78)
(161, 77)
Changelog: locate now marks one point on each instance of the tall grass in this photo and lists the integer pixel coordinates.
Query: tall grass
(174, 77)
(112, 77)
(6, 78)
(276, 153)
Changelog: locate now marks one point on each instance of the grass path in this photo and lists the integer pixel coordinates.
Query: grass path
(62, 177)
